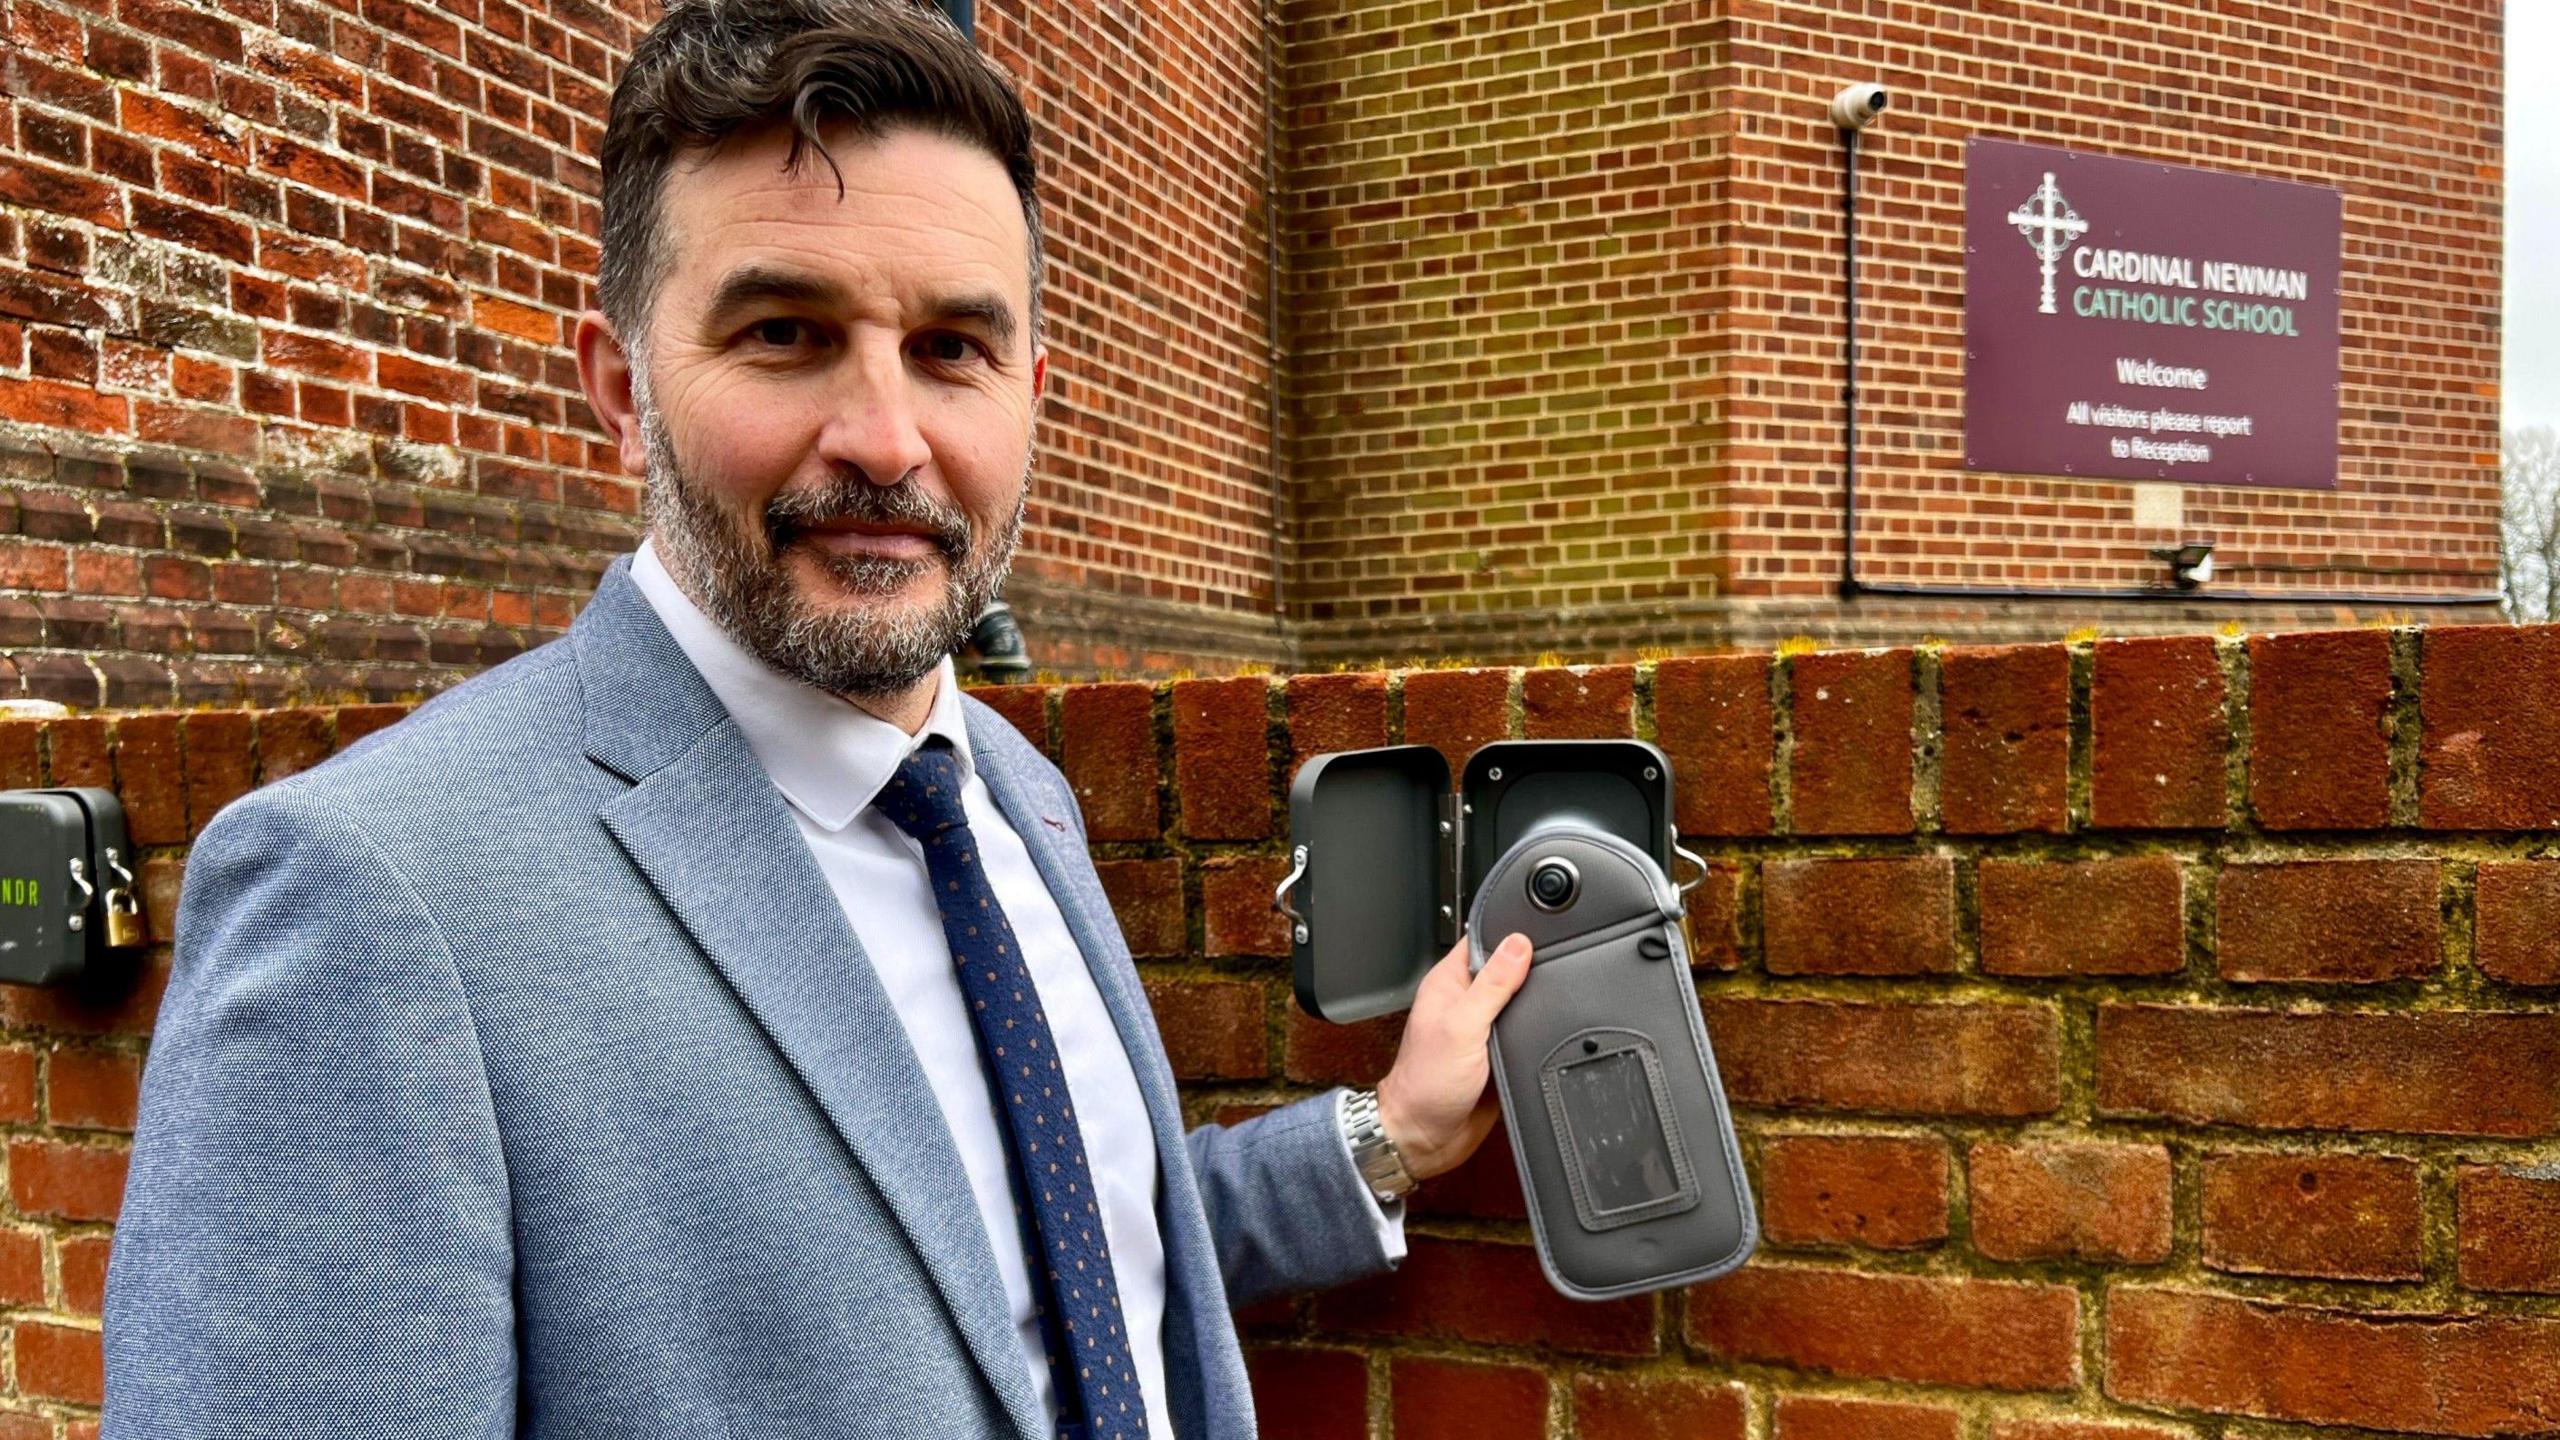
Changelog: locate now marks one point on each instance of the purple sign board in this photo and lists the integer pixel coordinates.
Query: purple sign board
(2140, 321)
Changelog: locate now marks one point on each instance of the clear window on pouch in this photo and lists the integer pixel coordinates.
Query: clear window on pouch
(1614, 1124)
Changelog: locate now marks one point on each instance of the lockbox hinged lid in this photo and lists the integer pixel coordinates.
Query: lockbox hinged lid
(1372, 890)
(1384, 858)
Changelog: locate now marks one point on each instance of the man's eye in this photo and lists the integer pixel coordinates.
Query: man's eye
(948, 349)
(782, 334)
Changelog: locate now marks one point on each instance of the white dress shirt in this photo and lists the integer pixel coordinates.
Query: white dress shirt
(829, 758)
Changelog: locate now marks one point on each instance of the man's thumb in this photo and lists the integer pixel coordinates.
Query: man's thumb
(1500, 979)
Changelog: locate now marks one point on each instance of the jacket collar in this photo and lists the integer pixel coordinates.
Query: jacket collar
(645, 703)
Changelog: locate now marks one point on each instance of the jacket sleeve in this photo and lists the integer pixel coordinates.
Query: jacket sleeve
(315, 1234)
(1287, 1207)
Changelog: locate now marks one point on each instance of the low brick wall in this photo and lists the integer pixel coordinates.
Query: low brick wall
(2140, 1040)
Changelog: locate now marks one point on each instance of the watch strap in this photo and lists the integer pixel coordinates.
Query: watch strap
(1381, 1165)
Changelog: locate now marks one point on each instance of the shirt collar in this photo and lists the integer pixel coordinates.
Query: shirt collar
(828, 756)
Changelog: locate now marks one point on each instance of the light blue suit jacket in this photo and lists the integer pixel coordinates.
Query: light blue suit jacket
(521, 1077)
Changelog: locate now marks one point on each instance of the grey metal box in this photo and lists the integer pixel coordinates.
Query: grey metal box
(64, 860)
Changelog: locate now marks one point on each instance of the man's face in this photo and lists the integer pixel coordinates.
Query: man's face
(836, 399)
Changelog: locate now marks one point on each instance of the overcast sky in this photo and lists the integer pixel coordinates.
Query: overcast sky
(2532, 385)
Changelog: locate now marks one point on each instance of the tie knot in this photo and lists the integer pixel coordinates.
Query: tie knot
(923, 798)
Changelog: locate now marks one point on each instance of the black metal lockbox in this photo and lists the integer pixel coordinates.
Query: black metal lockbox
(1385, 858)
(67, 888)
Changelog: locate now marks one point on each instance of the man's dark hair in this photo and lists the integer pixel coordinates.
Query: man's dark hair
(710, 69)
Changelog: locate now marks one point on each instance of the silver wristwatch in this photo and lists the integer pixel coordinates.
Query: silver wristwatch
(1381, 1164)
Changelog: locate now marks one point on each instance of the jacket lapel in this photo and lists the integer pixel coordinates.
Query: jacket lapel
(707, 829)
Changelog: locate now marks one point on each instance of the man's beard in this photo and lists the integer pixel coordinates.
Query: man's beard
(741, 582)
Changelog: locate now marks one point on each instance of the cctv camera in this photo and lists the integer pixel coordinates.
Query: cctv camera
(1857, 106)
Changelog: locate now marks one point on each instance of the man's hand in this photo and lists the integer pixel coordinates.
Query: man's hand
(1435, 1104)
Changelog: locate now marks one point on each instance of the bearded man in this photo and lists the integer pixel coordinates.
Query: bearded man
(711, 1024)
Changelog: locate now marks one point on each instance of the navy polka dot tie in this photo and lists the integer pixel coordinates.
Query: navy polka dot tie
(1070, 1261)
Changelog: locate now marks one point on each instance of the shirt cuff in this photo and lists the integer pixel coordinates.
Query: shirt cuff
(1386, 1217)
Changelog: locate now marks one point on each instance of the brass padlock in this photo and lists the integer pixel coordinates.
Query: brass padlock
(125, 925)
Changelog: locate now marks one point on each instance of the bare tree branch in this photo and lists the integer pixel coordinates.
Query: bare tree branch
(2529, 525)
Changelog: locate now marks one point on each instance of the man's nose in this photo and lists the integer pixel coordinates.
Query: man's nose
(871, 424)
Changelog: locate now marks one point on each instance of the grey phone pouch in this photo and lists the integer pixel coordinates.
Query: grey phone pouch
(1618, 1122)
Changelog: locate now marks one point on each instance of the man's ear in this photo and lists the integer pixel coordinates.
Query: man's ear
(604, 371)
(1039, 377)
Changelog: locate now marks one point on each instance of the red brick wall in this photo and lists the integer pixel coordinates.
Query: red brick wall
(2128, 1039)
(1504, 303)
(1567, 356)
(282, 291)
(286, 407)
(1156, 485)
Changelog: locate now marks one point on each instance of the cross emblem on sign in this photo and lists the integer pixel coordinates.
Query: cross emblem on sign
(2050, 225)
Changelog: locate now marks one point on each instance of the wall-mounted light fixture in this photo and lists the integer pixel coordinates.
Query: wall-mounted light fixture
(1003, 658)
(2190, 565)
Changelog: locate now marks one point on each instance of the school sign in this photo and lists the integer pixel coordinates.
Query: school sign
(2131, 320)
